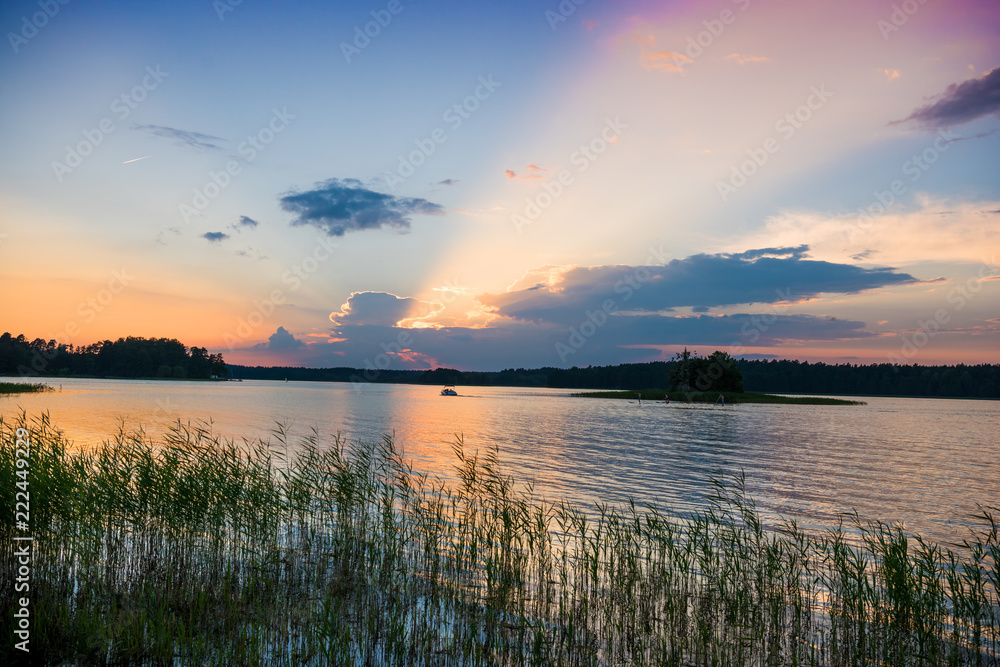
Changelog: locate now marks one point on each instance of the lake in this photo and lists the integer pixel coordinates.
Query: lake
(924, 462)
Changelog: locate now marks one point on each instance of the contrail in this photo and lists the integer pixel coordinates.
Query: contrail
(136, 159)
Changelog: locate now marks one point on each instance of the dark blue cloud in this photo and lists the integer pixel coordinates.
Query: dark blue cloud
(282, 339)
(246, 222)
(569, 323)
(215, 237)
(341, 205)
(183, 138)
(378, 308)
(763, 276)
(798, 252)
(961, 103)
(621, 339)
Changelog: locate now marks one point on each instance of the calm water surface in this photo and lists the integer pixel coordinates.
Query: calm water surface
(925, 462)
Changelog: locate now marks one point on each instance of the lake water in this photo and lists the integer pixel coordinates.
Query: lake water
(924, 462)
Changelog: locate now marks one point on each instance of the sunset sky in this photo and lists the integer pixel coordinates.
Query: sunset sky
(519, 184)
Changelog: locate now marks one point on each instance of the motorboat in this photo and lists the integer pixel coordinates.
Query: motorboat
(449, 391)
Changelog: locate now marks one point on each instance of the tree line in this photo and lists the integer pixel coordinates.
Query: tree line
(169, 358)
(956, 381)
(131, 357)
(801, 377)
(775, 376)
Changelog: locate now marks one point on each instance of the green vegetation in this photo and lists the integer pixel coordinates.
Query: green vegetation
(713, 397)
(195, 550)
(130, 357)
(715, 373)
(22, 388)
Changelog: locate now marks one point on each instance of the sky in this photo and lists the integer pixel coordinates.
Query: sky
(400, 184)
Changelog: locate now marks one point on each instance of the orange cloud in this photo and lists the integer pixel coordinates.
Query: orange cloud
(743, 59)
(417, 358)
(645, 41)
(652, 59)
(663, 61)
(890, 73)
(533, 173)
(325, 338)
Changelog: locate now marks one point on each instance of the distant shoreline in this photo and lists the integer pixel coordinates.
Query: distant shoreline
(596, 393)
(591, 392)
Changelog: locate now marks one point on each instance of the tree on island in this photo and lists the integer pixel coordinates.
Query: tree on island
(717, 372)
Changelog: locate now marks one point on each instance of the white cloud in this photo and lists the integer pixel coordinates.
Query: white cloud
(938, 231)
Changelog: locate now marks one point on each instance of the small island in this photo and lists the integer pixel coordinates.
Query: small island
(731, 398)
(712, 379)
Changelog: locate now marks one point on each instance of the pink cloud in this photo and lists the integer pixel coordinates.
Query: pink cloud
(743, 59)
(663, 61)
(533, 173)
(652, 59)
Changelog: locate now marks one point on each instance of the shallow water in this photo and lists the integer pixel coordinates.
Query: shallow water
(924, 462)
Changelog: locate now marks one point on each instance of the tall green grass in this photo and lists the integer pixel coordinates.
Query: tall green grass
(197, 550)
(23, 387)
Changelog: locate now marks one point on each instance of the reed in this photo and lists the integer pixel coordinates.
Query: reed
(193, 549)
(23, 387)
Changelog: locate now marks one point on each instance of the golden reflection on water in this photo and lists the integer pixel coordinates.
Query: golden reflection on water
(924, 462)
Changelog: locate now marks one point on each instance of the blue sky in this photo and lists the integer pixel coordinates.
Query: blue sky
(481, 185)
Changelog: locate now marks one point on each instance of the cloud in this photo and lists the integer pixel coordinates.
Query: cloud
(448, 181)
(341, 205)
(743, 59)
(532, 172)
(559, 316)
(654, 59)
(160, 237)
(622, 339)
(252, 253)
(961, 103)
(663, 61)
(589, 25)
(890, 73)
(244, 221)
(797, 252)
(215, 237)
(182, 137)
(379, 309)
(283, 340)
(933, 230)
(765, 276)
